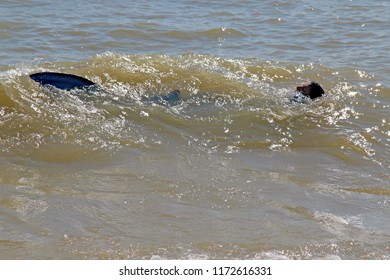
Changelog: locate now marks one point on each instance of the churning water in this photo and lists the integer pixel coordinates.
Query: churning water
(232, 170)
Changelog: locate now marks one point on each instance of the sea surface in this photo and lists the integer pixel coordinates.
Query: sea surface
(232, 170)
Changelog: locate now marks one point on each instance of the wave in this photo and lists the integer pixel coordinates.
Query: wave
(226, 105)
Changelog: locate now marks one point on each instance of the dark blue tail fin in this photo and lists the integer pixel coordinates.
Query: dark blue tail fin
(61, 80)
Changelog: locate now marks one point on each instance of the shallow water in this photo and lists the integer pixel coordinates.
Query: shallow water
(231, 171)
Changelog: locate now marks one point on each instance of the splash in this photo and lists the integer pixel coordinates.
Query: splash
(227, 105)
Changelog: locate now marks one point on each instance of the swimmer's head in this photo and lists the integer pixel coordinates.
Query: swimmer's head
(312, 90)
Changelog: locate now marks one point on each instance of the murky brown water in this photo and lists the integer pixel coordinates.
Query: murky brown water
(231, 171)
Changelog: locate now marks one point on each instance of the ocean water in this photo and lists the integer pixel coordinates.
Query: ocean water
(233, 170)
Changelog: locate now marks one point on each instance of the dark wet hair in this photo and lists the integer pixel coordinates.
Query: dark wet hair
(316, 90)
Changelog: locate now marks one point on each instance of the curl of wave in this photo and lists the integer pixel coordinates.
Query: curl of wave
(226, 105)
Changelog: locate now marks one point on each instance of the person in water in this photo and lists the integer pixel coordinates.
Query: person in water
(63, 81)
(310, 90)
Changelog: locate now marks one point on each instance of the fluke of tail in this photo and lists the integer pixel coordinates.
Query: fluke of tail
(61, 80)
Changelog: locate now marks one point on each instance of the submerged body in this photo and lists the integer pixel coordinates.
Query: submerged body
(70, 82)
(64, 81)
